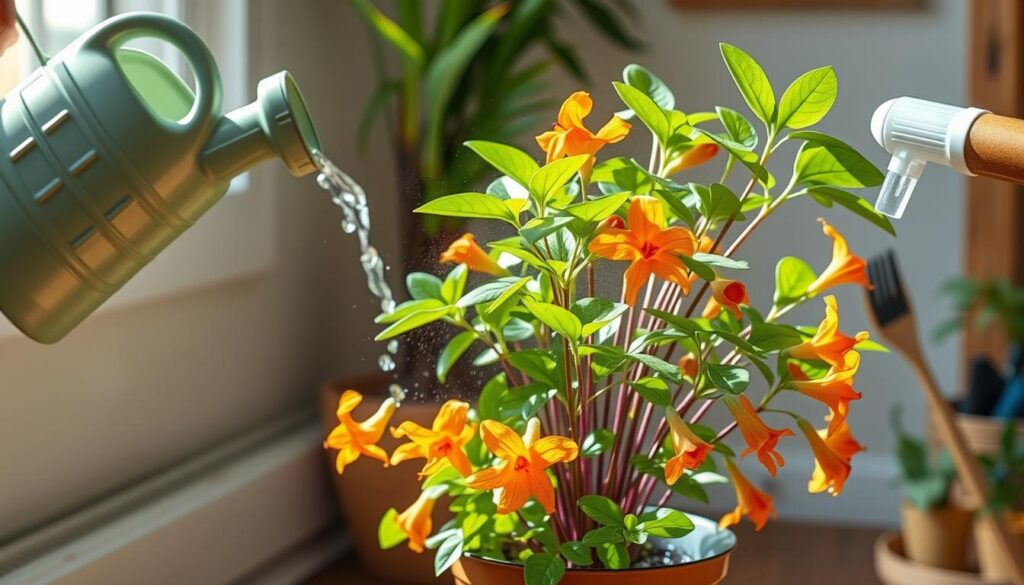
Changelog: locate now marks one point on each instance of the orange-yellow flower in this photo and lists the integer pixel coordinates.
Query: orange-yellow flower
(834, 389)
(845, 268)
(441, 445)
(352, 438)
(569, 137)
(697, 155)
(523, 470)
(648, 245)
(689, 366)
(416, 521)
(750, 501)
(758, 436)
(830, 468)
(726, 293)
(690, 449)
(828, 344)
(466, 251)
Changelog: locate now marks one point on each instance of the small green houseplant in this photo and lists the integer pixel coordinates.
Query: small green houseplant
(1006, 475)
(577, 455)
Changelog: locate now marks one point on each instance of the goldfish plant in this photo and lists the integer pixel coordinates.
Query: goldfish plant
(594, 416)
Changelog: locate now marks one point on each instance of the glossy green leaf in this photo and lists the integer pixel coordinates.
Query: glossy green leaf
(752, 82)
(809, 98)
(603, 535)
(576, 553)
(721, 261)
(488, 291)
(412, 321)
(773, 336)
(539, 228)
(598, 209)
(595, 313)
(451, 353)
(613, 556)
(544, 569)
(449, 551)
(856, 204)
(454, 285)
(423, 286)
(508, 159)
(653, 390)
(476, 205)
(645, 109)
(389, 535)
(649, 83)
(718, 202)
(728, 378)
(602, 510)
(597, 442)
(836, 165)
(408, 308)
(658, 365)
(488, 405)
(547, 181)
(666, 523)
(739, 129)
(557, 318)
(792, 277)
(741, 153)
(699, 268)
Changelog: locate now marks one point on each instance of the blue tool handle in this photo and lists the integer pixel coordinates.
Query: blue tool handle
(1011, 403)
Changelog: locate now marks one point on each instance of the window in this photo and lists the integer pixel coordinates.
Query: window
(236, 237)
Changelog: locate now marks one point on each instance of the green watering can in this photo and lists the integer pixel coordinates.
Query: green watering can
(106, 157)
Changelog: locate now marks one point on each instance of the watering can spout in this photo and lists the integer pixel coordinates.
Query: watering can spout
(277, 124)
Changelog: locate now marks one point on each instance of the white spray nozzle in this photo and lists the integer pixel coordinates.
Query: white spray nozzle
(917, 132)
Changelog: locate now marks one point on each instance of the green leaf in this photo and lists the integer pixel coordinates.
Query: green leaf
(792, 277)
(478, 205)
(717, 201)
(423, 286)
(488, 405)
(613, 556)
(389, 535)
(739, 129)
(667, 370)
(449, 551)
(771, 336)
(721, 261)
(644, 107)
(597, 442)
(452, 352)
(412, 321)
(653, 390)
(731, 379)
(605, 21)
(576, 553)
(557, 318)
(408, 308)
(598, 209)
(539, 228)
(544, 569)
(455, 284)
(746, 157)
(702, 270)
(547, 181)
(837, 165)
(392, 33)
(650, 84)
(488, 291)
(508, 159)
(809, 98)
(666, 523)
(595, 313)
(752, 82)
(603, 510)
(603, 535)
(856, 204)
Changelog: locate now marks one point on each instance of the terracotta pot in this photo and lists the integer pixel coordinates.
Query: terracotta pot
(367, 489)
(984, 433)
(992, 565)
(938, 536)
(709, 545)
(894, 568)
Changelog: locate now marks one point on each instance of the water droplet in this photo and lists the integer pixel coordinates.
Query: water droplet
(393, 346)
(397, 392)
(387, 305)
(386, 362)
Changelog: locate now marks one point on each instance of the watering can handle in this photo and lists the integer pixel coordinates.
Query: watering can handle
(121, 29)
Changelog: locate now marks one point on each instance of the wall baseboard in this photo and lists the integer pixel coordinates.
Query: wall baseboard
(218, 528)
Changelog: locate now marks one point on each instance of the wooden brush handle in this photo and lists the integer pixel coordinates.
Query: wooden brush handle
(968, 469)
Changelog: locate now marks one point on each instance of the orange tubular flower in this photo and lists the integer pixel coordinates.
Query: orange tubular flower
(416, 521)
(466, 251)
(828, 343)
(845, 268)
(648, 245)
(831, 469)
(353, 439)
(440, 445)
(689, 366)
(751, 501)
(569, 137)
(697, 155)
(726, 293)
(522, 472)
(834, 389)
(759, 436)
(690, 449)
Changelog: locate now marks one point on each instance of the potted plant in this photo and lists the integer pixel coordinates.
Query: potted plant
(565, 465)
(935, 530)
(1006, 475)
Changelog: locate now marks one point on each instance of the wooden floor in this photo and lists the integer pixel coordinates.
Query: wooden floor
(781, 554)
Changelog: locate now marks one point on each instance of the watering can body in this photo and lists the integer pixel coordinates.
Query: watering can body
(106, 156)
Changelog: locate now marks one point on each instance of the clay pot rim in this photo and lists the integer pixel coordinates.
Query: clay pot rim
(631, 571)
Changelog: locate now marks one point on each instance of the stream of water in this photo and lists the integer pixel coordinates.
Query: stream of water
(350, 197)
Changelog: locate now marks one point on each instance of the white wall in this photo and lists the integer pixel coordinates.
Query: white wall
(877, 55)
(135, 389)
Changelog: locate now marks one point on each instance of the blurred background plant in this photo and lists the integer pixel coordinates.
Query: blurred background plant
(926, 480)
(1006, 472)
(472, 69)
(983, 304)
